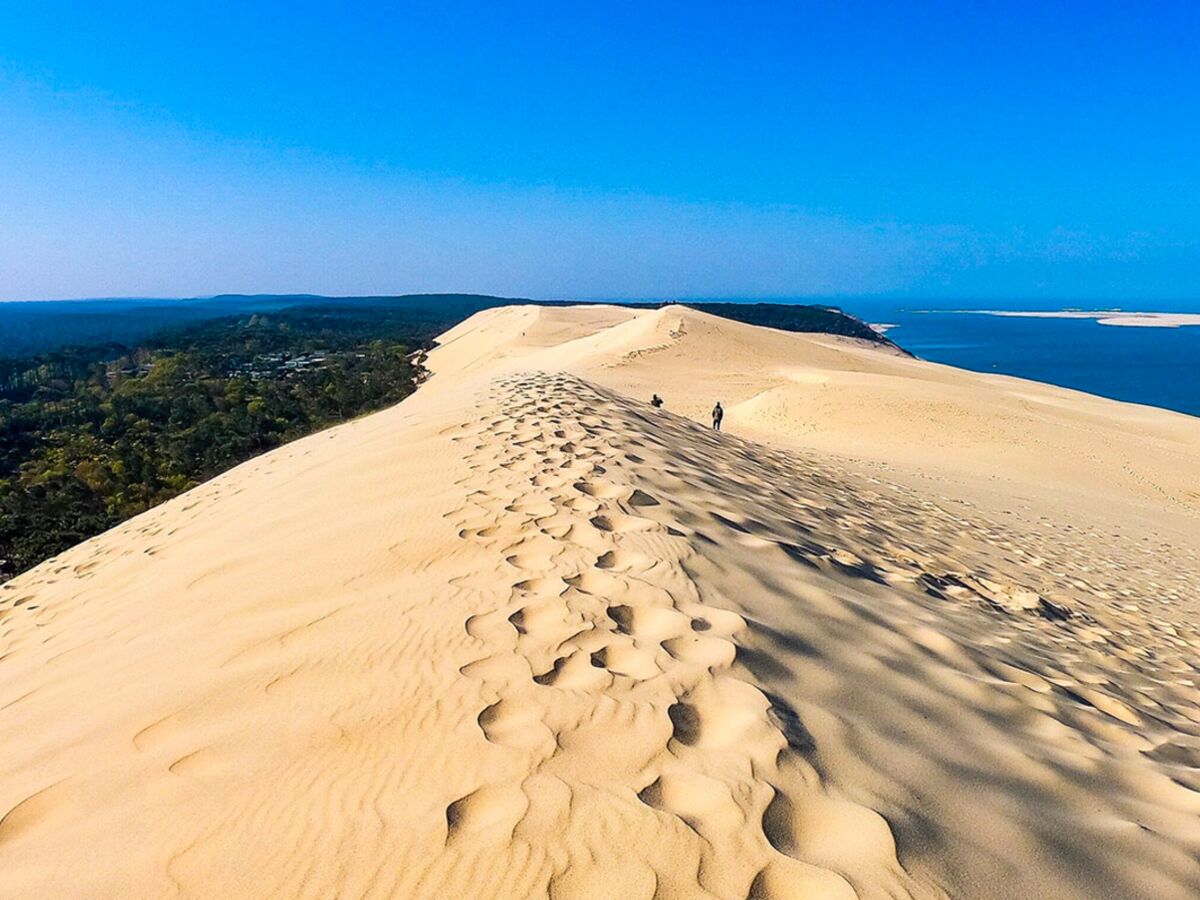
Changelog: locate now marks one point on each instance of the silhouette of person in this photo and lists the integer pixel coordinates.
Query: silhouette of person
(656, 401)
(718, 415)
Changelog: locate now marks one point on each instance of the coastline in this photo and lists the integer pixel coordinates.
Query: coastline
(1115, 317)
(1142, 357)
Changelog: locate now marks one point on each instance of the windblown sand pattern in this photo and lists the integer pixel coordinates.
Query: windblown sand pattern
(526, 636)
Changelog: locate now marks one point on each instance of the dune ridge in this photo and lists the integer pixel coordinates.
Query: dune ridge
(524, 635)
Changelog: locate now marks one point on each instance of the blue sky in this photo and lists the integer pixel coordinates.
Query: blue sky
(602, 150)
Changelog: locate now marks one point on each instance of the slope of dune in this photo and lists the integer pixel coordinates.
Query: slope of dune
(900, 631)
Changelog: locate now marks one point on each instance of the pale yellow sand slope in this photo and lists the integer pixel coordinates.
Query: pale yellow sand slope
(525, 636)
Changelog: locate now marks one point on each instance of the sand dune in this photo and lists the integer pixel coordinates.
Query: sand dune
(900, 631)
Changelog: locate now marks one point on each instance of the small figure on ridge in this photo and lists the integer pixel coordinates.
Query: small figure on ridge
(718, 415)
(656, 401)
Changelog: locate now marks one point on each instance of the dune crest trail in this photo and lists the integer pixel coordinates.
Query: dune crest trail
(612, 680)
(524, 635)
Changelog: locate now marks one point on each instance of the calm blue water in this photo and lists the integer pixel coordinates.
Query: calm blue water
(1155, 366)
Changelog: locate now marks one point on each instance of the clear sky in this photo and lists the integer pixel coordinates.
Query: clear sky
(923, 149)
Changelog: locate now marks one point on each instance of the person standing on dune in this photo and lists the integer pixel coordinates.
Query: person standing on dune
(718, 415)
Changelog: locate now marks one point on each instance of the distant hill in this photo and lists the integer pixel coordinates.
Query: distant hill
(449, 309)
(31, 328)
(795, 317)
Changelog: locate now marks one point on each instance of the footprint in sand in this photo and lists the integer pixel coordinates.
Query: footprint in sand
(622, 657)
(623, 561)
(723, 713)
(702, 650)
(489, 814)
(619, 522)
(705, 805)
(515, 723)
(649, 623)
(575, 672)
(601, 490)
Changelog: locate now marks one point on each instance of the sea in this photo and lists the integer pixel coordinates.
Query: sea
(1148, 365)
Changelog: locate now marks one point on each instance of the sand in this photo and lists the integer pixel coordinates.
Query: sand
(900, 630)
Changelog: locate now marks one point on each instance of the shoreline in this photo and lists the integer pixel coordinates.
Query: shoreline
(1116, 317)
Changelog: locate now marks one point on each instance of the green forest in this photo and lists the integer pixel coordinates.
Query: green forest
(90, 436)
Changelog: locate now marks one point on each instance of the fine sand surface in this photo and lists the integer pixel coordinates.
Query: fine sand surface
(901, 630)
